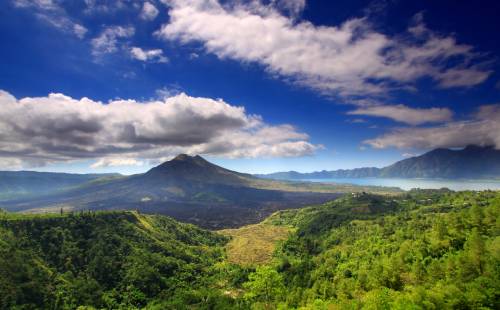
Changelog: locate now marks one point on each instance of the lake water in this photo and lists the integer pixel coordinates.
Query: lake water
(407, 184)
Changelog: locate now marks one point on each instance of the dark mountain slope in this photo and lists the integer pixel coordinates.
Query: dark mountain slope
(187, 169)
(188, 188)
(472, 162)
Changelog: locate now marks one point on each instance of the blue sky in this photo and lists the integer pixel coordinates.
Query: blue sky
(256, 86)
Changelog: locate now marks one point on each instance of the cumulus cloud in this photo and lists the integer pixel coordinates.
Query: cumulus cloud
(482, 129)
(350, 59)
(107, 41)
(60, 128)
(52, 13)
(149, 11)
(405, 114)
(153, 55)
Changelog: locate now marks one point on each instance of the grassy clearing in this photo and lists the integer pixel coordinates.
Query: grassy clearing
(254, 244)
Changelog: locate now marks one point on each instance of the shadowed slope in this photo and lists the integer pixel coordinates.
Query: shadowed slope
(188, 188)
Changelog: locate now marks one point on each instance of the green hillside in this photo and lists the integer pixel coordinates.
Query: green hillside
(425, 249)
(422, 250)
(109, 260)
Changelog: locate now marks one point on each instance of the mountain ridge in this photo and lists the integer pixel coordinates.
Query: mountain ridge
(15, 183)
(471, 162)
(190, 189)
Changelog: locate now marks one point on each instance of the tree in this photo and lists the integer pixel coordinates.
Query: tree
(475, 247)
(264, 285)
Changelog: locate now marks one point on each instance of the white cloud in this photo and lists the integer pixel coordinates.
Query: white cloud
(79, 30)
(54, 14)
(351, 59)
(59, 128)
(42, 4)
(149, 11)
(482, 129)
(107, 6)
(356, 121)
(171, 90)
(153, 55)
(11, 164)
(293, 7)
(115, 162)
(107, 41)
(462, 77)
(405, 114)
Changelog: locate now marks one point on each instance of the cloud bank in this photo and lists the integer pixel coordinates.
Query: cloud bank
(482, 129)
(405, 114)
(59, 128)
(350, 59)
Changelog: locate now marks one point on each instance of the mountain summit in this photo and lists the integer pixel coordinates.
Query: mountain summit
(471, 162)
(185, 168)
(188, 188)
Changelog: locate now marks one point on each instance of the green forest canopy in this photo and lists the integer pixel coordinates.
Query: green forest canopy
(426, 249)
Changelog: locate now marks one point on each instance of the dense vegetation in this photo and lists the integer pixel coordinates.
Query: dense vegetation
(118, 260)
(419, 250)
(424, 250)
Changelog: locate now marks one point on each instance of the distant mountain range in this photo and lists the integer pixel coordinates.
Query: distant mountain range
(191, 189)
(16, 183)
(472, 162)
(187, 188)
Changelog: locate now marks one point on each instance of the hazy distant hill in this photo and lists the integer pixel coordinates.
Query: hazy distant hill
(15, 183)
(472, 162)
(324, 174)
(190, 189)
